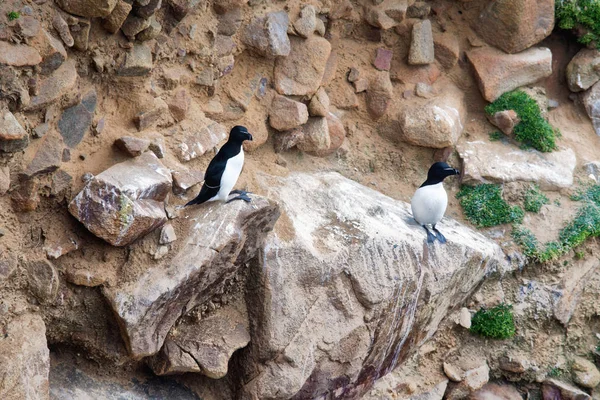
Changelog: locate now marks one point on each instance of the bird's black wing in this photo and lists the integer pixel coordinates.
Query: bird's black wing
(212, 178)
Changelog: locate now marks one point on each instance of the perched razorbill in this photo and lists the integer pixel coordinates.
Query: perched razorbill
(224, 170)
(430, 200)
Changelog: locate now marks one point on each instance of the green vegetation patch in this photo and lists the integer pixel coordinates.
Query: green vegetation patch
(484, 206)
(495, 323)
(496, 136)
(581, 15)
(533, 130)
(534, 199)
(13, 15)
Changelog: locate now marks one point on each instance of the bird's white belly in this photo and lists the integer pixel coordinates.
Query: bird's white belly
(232, 172)
(429, 204)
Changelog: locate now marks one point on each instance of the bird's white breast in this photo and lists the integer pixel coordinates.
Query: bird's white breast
(232, 172)
(429, 204)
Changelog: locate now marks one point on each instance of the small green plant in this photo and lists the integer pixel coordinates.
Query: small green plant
(533, 130)
(496, 136)
(555, 372)
(534, 199)
(582, 16)
(495, 323)
(13, 15)
(580, 255)
(484, 206)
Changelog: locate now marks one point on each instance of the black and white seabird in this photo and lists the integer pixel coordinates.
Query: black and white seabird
(430, 200)
(224, 170)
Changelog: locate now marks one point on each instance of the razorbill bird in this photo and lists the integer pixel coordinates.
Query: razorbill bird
(430, 200)
(224, 170)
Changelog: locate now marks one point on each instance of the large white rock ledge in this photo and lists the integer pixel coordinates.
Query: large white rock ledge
(347, 288)
(499, 162)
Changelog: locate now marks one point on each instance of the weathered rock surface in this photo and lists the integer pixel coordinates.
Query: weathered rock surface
(19, 55)
(421, 46)
(138, 61)
(446, 49)
(591, 101)
(205, 346)
(198, 141)
(268, 35)
(184, 180)
(492, 391)
(555, 389)
(350, 311)
(583, 70)
(48, 157)
(216, 242)
(126, 201)
(156, 114)
(24, 359)
(76, 121)
(301, 72)
(497, 72)
(385, 14)
(499, 162)
(572, 287)
(436, 123)
(88, 8)
(515, 25)
(57, 85)
(117, 17)
(52, 51)
(43, 280)
(315, 135)
(307, 23)
(13, 137)
(379, 94)
(132, 146)
(286, 114)
(319, 104)
(585, 373)
(4, 180)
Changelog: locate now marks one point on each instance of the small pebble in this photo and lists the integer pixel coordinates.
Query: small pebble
(88, 176)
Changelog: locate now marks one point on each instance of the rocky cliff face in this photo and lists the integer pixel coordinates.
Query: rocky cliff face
(323, 286)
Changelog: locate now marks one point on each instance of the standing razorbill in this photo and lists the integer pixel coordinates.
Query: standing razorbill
(224, 170)
(430, 200)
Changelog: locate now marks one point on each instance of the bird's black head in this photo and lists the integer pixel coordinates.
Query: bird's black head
(239, 134)
(438, 172)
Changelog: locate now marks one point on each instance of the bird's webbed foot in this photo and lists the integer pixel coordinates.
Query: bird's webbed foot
(439, 235)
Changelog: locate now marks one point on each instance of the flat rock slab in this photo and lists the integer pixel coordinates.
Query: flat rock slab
(500, 163)
(217, 239)
(343, 254)
(195, 142)
(497, 72)
(55, 86)
(126, 201)
(19, 55)
(13, 137)
(24, 359)
(205, 346)
(48, 157)
(88, 8)
(268, 35)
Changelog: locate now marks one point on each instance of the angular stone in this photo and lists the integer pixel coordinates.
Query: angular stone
(62, 183)
(132, 146)
(307, 23)
(117, 17)
(300, 332)
(26, 197)
(13, 137)
(60, 245)
(126, 201)
(138, 61)
(514, 364)
(48, 157)
(43, 280)
(205, 346)
(198, 141)
(4, 180)
(319, 104)
(337, 135)
(497, 72)
(215, 242)
(167, 234)
(287, 140)
(421, 46)
(446, 49)
(501, 163)
(505, 121)
(411, 74)
(157, 145)
(419, 9)
(583, 70)
(88, 8)
(585, 373)
(24, 358)
(268, 35)
(184, 180)
(148, 10)
(74, 123)
(59, 84)
(385, 14)
(181, 8)
(27, 26)
(40, 130)
(435, 123)
(19, 55)
(179, 104)
(379, 94)
(316, 136)
(134, 25)
(591, 101)
(465, 318)
(492, 391)
(515, 25)
(157, 115)
(61, 26)
(330, 69)
(383, 59)
(301, 72)
(286, 114)
(555, 389)
(150, 32)
(51, 50)
(230, 22)
(80, 30)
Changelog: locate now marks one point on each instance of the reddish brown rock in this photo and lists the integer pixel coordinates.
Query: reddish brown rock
(413, 74)
(505, 121)
(51, 49)
(379, 95)
(515, 25)
(184, 180)
(19, 55)
(157, 115)
(287, 140)
(301, 72)
(26, 198)
(316, 136)
(446, 49)
(330, 68)
(497, 72)
(132, 146)
(197, 140)
(385, 14)
(4, 180)
(383, 59)
(48, 157)
(286, 114)
(179, 104)
(13, 137)
(126, 201)
(117, 17)
(268, 35)
(492, 391)
(58, 85)
(583, 70)
(337, 135)
(319, 104)
(88, 8)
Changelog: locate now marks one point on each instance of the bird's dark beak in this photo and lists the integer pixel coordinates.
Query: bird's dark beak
(456, 172)
(249, 137)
